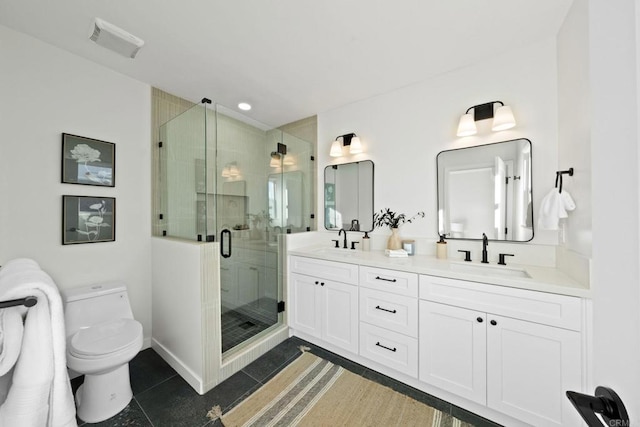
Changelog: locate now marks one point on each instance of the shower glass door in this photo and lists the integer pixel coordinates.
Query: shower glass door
(250, 260)
(226, 178)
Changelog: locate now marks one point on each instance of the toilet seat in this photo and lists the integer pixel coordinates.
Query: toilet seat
(105, 338)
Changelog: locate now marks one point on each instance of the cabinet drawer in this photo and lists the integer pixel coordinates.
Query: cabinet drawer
(391, 349)
(394, 312)
(398, 282)
(540, 307)
(338, 271)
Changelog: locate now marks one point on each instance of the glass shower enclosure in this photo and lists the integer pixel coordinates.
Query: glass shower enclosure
(229, 179)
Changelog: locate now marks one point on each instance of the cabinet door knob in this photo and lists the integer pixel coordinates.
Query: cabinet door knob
(317, 282)
(493, 322)
(321, 283)
(480, 319)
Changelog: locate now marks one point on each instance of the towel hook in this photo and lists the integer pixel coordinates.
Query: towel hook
(559, 177)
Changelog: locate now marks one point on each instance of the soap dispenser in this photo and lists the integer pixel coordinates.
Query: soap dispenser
(441, 248)
(366, 242)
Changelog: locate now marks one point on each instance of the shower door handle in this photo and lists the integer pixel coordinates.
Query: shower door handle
(226, 232)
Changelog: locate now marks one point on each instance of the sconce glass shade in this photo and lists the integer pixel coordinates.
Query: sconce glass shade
(336, 148)
(467, 125)
(275, 160)
(233, 170)
(356, 146)
(288, 160)
(503, 119)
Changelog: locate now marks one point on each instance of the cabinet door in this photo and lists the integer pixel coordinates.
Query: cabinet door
(248, 284)
(453, 349)
(529, 368)
(340, 314)
(305, 304)
(229, 287)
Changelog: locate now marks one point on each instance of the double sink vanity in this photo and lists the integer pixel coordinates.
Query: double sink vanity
(504, 342)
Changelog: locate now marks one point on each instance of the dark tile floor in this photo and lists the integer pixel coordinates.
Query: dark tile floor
(162, 398)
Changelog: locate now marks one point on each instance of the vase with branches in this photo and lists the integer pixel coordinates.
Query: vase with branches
(393, 220)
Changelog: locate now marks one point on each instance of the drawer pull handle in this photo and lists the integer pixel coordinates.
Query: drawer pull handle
(386, 348)
(385, 309)
(386, 280)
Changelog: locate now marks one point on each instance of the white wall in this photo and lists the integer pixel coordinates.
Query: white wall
(403, 131)
(613, 85)
(45, 91)
(574, 119)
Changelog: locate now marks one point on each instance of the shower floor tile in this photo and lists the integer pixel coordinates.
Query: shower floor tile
(238, 326)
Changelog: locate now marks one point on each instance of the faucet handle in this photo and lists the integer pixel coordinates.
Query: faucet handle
(337, 242)
(467, 255)
(353, 244)
(501, 258)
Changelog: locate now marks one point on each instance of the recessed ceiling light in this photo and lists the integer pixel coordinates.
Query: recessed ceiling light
(244, 106)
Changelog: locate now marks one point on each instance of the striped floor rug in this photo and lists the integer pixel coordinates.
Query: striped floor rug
(314, 392)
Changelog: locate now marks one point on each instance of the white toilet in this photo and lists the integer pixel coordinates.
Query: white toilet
(102, 337)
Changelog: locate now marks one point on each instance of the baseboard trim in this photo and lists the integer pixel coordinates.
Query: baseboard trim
(187, 374)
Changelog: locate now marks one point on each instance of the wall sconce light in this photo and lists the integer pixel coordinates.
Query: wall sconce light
(275, 159)
(502, 118)
(233, 170)
(348, 140)
(281, 158)
(230, 170)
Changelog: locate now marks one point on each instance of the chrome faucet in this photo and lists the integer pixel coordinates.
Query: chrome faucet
(342, 230)
(485, 243)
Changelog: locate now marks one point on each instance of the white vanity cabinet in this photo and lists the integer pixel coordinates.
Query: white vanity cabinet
(324, 301)
(515, 351)
(389, 318)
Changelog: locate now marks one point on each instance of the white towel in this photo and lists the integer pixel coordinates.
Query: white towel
(554, 206)
(39, 393)
(396, 253)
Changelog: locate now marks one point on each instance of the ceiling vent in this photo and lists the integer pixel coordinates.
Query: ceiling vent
(116, 39)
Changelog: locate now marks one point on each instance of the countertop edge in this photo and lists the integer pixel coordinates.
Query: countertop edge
(543, 279)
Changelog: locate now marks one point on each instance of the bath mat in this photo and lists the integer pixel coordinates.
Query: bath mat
(314, 392)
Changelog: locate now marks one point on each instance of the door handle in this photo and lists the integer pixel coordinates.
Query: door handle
(224, 235)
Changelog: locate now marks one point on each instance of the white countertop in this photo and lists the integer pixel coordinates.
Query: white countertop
(542, 279)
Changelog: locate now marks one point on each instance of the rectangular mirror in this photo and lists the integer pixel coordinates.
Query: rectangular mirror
(285, 192)
(486, 189)
(348, 196)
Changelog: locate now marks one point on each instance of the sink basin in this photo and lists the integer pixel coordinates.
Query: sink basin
(335, 251)
(490, 270)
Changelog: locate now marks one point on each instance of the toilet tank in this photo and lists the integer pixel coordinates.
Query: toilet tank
(88, 305)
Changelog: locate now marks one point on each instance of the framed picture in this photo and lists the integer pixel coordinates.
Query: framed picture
(88, 219)
(88, 161)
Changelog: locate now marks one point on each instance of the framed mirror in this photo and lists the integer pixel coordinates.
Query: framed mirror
(486, 189)
(348, 196)
(285, 199)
